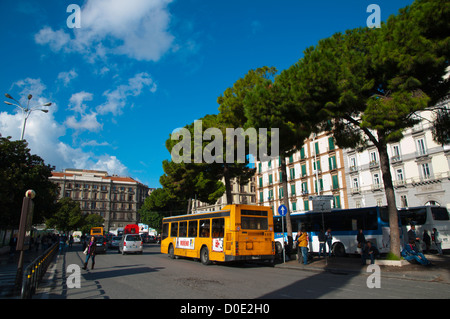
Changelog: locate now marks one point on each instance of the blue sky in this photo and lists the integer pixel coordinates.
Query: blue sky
(138, 69)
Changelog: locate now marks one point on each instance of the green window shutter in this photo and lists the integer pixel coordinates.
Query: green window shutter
(306, 204)
(317, 148)
(294, 206)
(303, 170)
(293, 189)
(337, 201)
(335, 181)
(261, 197)
(330, 143)
(260, 182)
(302, 153)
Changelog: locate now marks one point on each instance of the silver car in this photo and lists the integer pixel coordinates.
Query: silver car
(131, 243)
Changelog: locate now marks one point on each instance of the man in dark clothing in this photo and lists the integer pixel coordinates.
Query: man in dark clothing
(370, 251)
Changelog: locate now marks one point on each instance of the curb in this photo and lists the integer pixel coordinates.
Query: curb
(346, 271)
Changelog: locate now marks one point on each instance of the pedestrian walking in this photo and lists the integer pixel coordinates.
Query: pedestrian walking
(329, 240)
(90, 252)
(437, 241)
(321, 238)
(302, 240)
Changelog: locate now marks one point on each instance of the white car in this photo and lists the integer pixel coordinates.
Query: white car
(131, 243)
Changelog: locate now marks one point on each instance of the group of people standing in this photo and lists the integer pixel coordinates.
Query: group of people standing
(302, 247)
(411, 251)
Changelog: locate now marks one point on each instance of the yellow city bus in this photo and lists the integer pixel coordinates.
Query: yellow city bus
(236, 233)
(97, 231)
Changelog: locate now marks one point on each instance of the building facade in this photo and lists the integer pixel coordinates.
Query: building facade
(117, 199)
(317, 169)
(419, 168)
(242, 194)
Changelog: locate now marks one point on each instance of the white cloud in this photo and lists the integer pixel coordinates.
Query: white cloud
(135, 28)
(88, 122)
(77, 99)
(111, 164)
(117, 99)
(43, 134)
(66, 77)
(55, 39)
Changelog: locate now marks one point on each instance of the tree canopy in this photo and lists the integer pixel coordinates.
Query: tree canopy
(19, 171)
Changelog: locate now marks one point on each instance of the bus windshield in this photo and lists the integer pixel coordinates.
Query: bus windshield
(439, 213)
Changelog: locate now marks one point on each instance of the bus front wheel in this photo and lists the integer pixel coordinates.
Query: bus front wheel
(339, 250)
(204, 256)
(171, 252)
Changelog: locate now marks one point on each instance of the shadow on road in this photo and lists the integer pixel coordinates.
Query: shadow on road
(98, 274)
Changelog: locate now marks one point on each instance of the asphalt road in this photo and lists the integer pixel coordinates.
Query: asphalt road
(153, 275)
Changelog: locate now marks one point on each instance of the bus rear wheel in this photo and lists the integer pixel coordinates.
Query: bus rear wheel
(204, 256)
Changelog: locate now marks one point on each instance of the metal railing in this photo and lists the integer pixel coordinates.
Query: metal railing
(35, 271)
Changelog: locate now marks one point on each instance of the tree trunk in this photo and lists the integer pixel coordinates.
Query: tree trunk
(390, 197)
(284, 184)
(226, 175)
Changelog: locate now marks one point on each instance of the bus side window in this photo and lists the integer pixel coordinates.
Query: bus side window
(183, 229)
(204, 228)
(173, 229)
(165, 231)
(192, 230)
(218, 226)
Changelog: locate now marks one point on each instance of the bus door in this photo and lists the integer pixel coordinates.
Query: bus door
(217, 237)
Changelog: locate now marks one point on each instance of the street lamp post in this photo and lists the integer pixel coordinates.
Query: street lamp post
(26, 111)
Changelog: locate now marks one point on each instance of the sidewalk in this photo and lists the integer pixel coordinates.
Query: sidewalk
(8, 270)
(440, 272)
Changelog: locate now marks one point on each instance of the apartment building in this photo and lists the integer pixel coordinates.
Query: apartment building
(117, 199)
(419, 168)
(316, 169)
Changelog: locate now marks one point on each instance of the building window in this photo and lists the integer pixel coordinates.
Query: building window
(330, 143)
(400, 176)
(404, 201)
(379, 202)
(335, 181)
(376, 179)
(373, 159)
(305, 188)
(337, 201)
(396, 153)
(352, 161)
(421, 149)
(306, 205)
(303, 170)
(332, 162)
(426, 173)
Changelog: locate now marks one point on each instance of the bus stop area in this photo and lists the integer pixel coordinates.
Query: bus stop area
(351, 265)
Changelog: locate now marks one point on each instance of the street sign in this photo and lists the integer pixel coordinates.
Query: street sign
(321, 197)
(322, 203)
(282, 210)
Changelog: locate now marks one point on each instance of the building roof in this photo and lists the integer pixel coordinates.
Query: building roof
(95, 174)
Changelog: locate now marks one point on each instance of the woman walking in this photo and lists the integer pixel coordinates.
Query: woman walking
(90, 252)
